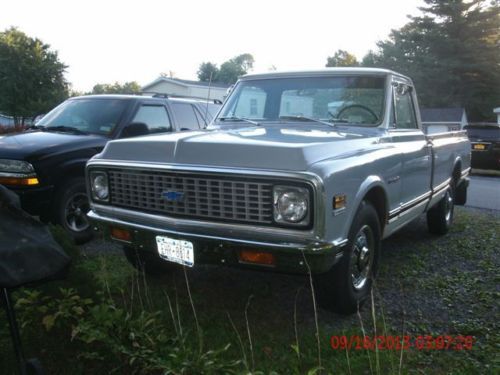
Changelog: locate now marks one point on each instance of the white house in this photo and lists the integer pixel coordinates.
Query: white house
(251, 104)
(182, 87)
(497, 112)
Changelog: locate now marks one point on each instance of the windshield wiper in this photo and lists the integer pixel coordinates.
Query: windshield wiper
(35, 127)
(304, 118)
(63, 128)
(236, 118)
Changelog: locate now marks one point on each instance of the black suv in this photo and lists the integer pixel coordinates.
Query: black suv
(485, 144)
(45, 164)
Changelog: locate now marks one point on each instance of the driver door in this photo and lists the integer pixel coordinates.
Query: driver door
(414, 149)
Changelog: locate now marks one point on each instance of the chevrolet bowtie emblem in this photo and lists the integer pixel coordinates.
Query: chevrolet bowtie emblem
(173, 196)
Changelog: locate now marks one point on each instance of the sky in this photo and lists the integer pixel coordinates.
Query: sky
(107, 41)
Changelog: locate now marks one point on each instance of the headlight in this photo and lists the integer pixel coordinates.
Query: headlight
(99, 186)
(16, 166)
(17, 173)
(291, 205)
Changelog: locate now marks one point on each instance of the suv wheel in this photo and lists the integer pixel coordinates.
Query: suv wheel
(72, 205)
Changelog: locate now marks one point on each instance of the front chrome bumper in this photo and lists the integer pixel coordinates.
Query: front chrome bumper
(256, 236)
(220, 243)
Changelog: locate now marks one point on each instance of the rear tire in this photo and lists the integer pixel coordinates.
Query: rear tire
(347, 285)
(147, 261)
(440, 217)
(71, 207)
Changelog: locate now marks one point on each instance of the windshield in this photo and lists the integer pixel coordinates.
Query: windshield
(94, 116)
(337, 99)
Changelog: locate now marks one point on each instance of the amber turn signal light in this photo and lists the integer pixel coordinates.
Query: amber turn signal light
(257, 257)
(121, 234)
(16, 181)
(339, 201)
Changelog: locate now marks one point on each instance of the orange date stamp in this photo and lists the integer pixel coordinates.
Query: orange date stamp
(405, 342)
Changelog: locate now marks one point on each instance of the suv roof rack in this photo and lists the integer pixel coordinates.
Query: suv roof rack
(174, 96)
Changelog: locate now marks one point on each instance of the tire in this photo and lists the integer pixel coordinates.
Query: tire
(440, 217)
(147, 261)
(347, 285)
(71, 207)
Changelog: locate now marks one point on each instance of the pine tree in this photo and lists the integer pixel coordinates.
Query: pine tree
(451, 52)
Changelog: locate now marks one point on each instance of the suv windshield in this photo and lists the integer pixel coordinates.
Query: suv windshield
(94, 116)
(337, 99)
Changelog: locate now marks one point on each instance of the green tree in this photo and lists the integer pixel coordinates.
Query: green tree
(341, 58)
(232, 69)
(31, 76)
(207, 71)
(451, 53)
(131, 88)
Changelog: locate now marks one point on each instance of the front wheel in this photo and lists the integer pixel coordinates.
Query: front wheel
(71, 208)
(346, 286)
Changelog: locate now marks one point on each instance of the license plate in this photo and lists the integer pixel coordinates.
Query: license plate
(479, 146)
(177, 251)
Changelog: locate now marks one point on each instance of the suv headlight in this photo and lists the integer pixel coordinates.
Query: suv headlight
(99, 186)
(16, 166)
(17, 173)
(291, 205)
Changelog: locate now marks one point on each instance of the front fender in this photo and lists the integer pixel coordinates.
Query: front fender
(371, 182)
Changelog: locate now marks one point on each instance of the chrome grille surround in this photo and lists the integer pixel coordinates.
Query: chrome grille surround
(205, 196)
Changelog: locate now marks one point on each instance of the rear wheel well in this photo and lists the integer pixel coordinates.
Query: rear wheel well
(376, 196)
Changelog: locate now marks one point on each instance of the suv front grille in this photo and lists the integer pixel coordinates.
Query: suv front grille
(190, 195)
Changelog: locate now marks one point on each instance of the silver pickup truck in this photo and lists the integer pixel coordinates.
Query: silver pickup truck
(299, 172)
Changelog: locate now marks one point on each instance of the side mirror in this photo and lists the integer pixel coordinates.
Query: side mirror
(135, 129)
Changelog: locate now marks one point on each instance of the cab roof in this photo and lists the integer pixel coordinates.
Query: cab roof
(322, 72)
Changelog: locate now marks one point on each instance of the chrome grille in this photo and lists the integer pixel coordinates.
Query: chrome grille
(204, 196)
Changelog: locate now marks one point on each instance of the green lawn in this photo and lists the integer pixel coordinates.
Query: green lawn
(107, 318)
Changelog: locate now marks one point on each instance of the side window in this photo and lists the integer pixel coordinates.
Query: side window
(155, 117)
(186, 117)
(405, 113)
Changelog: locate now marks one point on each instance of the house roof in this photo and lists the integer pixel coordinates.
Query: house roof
(184, 82)
(442, 114)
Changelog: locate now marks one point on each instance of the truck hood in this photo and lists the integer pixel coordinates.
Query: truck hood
(293, 147)
(37, 144)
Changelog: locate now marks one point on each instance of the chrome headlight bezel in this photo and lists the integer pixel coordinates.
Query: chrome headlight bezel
(292, 205)
(99, 186)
